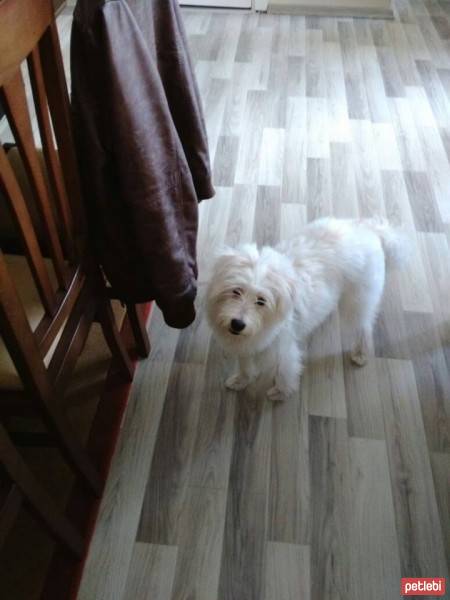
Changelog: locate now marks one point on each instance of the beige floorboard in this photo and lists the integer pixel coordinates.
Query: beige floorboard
(151, 572)
(290, 495)
(287, 572)
(374, 557)
(200, 545)
(440, 464)
(344, 196)
(432, 379)
(295, 154)
(338, 119)
(331, 509)
(215, 431)
(170, 469)
(364, 408)
(242, 568)
(419, 533)
(242, 215)
(319, 190)
(367, 170)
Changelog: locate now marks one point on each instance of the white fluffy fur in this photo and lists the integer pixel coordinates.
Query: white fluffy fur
(282, 294)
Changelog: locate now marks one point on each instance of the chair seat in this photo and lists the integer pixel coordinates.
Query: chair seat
(23, 280)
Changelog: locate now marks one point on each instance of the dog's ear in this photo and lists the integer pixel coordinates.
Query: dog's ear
(284, 287)
(224, 262)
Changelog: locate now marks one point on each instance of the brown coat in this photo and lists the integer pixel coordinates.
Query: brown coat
(142, 148)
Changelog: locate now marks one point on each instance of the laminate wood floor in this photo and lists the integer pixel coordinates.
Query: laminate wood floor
(341, 491)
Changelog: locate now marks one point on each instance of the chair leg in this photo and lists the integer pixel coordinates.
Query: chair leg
(38, 501)
(139, 331)
(106, 319)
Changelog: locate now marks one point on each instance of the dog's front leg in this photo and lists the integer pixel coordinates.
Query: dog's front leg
(244, 377)
(288, 370)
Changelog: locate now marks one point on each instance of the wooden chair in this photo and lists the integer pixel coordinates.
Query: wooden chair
(51, 295)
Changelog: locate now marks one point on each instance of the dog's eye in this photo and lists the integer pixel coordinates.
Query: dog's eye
(237, 292)
(260, 302)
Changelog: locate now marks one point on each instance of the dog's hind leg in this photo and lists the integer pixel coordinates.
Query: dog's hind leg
(365, 303)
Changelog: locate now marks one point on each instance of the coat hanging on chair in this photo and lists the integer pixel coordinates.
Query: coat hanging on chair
(142, 148)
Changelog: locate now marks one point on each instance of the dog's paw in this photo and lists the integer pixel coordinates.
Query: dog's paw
(278, 394)
(237, 382)
(359, 358)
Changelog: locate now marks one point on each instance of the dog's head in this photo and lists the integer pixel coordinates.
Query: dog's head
(250, 294)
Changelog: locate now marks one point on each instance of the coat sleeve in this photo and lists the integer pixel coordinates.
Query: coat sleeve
(152, 179)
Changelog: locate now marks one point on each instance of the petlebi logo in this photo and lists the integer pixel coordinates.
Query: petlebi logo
(423, 586)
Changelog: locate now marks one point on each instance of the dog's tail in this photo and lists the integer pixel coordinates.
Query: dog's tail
(395, 243)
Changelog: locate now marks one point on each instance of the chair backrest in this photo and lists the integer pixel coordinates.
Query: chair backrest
(55, 254)
(66, 282)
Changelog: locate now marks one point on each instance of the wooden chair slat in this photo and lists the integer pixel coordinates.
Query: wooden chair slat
(16, 108)
(14, 197)
(72, 341)
(106, 319)
(58, 101)
(137, 324)
(19, 338)
(49, 327)
(50, 153)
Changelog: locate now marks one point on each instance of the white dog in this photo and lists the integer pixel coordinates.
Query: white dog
(263, 304)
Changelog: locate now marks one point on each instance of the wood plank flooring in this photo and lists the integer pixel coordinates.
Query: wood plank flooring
(338, 493)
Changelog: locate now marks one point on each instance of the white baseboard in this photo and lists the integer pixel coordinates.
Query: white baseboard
(380, 9)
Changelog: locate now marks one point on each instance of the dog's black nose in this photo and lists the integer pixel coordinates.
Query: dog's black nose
(237, 325)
